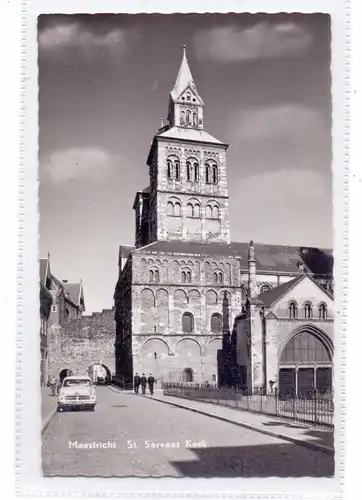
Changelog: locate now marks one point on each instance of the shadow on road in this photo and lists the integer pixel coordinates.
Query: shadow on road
(321, 436)
(274, 460)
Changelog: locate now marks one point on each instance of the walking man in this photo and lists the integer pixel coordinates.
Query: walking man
(151, 383)
(136, 383)
(143, 383)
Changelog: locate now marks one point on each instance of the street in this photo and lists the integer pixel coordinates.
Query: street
(131, 435)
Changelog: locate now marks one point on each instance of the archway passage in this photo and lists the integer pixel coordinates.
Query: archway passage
(66, 372)
(100, 374)
(188, 375)
(305, 365)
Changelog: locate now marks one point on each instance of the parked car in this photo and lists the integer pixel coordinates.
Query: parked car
(77, 392)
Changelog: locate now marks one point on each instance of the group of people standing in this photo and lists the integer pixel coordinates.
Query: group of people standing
(143, 381)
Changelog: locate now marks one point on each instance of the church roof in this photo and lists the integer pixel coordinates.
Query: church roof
(268, 298)
(188, 247)
(269, 258)
(189, 134)
(184, 78)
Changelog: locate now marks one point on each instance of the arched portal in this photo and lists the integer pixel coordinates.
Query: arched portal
(66, 372)
(305, 365)
(188, 375)
(100, 374)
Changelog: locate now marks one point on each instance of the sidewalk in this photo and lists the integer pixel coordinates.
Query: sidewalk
(309, 436)
(48, 406)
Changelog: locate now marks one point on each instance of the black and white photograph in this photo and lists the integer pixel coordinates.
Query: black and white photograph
(186, 268)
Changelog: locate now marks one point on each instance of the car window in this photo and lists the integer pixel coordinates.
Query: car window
(79, 382)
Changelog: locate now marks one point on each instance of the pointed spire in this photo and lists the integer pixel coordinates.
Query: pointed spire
(184, 77)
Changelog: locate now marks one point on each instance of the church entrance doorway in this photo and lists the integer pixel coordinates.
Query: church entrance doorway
(188, 375)
(305, 365)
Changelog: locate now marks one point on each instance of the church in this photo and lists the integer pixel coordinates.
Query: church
(184, 282)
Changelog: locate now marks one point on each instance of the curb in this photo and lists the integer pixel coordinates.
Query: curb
(48, 419)
(306, 444)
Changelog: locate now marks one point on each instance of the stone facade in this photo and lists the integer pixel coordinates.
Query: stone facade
(171, 283)
(82, 343)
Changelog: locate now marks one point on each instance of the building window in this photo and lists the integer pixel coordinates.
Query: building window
(188, 171)
(188, 117)
(188, 375)
(207, 174)
(265, 288)
(169, 169)
(214, 378)
(194, 119)
(187, 323)
(190, 210)
(152, 276)
(216, 323)
(177, 170)
(188, 276)
(196, 172)
(183, 277)
(293, 310)
(170, 208)
(218, 277)
(155, 355)
(54, 309)
(157, 276)
(307, 310)
(177, 209)
(182, 117)
(214, 174)
(322, 311)
(188, 96)
(193, 210)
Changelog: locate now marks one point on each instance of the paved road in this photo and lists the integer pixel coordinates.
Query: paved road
(147, 438)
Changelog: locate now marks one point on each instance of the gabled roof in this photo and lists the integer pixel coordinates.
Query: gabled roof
(271, 296)
(274, 294)
(184, 79)
(43, 270)
(74, 292)
(189, 134)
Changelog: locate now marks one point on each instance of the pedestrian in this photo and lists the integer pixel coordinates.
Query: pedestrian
(143, 383)
(136, 383)
(151, 383)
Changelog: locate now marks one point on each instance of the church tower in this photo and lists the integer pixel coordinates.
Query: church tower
(188, 197)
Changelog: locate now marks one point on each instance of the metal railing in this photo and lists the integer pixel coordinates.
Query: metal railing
(312, 408)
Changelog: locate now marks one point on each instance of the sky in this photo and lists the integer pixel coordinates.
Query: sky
(104, 83)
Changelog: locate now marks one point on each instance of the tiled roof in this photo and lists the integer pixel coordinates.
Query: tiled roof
(269, 258)
(268, 298)
(42, 270)
(73, 289)
(189, 134)
(186, 247)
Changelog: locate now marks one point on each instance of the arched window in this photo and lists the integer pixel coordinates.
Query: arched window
(157, 276)
(307, 310)
(214, 378)
(208, 212)
(169, 169)
(215, 212)
(220, 277)
(196, 172)
(188, 96)
(170, 208)
(265, 288)
(190, 210)
(293, 310)
(177, 209)
(188, 375)
(152, 276)
(188, 117)
(196, 212)
(305, 347)
(187, 323)
(214, 174)
(207, 174)
(188, 276)
(177, 170)
(188, 171)
(215, 278)
(216, 323)
(183, 277)
(182, 120)
(322, 311)
(194, 119)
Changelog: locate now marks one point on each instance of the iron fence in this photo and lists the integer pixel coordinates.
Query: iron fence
(312, 408)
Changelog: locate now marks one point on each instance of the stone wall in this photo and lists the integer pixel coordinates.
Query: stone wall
(83, 342)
